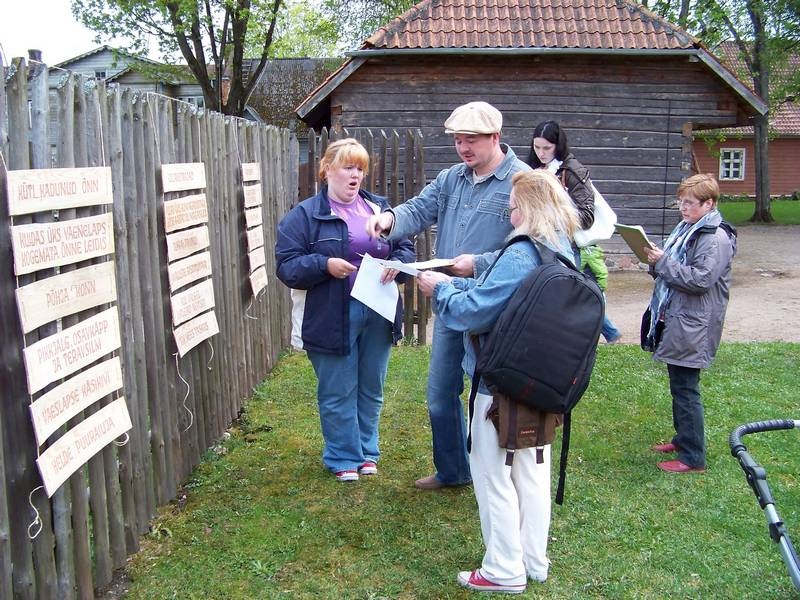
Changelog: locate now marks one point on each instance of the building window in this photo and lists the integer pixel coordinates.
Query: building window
(731, 164)
(195, 100)
(99, 74)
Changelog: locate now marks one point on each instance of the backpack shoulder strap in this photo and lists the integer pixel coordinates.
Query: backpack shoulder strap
(562, 466)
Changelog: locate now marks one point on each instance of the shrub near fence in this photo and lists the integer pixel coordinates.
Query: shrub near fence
(178, 406)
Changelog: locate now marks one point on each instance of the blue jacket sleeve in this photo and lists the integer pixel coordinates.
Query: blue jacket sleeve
(297, 266)
(418, 213)
(476, 307)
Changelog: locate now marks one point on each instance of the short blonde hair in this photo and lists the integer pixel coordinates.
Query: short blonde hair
(544, 205)
(347, 151)
(702, 186)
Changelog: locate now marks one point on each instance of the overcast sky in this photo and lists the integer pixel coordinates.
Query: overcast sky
(47, 25)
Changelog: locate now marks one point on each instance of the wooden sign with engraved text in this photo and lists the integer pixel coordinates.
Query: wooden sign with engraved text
(81, 443)
(66, 294)
(36, 190)
(46, 245)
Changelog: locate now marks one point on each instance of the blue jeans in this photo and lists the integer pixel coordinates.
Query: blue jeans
(687, 415)
(350, 391)
(448, 426)
(609, 330)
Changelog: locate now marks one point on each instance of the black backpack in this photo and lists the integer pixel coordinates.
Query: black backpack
(542, 349)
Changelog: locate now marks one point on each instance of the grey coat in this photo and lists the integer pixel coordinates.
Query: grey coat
(695, 314)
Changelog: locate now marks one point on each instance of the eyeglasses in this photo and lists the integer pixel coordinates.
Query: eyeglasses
(512, 209)
(687, 203)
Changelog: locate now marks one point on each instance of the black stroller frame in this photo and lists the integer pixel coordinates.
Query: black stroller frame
(757, 478)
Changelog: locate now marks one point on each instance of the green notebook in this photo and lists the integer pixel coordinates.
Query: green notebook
(636, 238)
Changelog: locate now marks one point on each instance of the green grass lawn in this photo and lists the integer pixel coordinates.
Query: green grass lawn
(265, 520)
(785, 212)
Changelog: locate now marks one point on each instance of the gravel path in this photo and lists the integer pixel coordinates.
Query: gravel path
(765, 292)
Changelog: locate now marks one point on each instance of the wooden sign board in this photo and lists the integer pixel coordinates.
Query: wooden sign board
(253, 217)
(66, 294)
(191, 333)
(255, 238)
(183, 243)
(251, 171)
(198, 298)
(257, 258)
(183, 176)
(252, 195)
(46, 245)
(36, 190)
(73, 348)
(81, 443)
(185, 271)
(59, 405)
(185, 212)
(258, 280)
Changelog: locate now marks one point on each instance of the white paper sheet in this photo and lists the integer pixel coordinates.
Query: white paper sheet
(367, 288)
(415, 267)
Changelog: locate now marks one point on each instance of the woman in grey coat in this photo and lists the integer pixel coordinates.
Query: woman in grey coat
(683, 325)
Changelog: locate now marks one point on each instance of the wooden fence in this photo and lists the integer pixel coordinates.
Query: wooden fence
(396, 171)
(68, 545)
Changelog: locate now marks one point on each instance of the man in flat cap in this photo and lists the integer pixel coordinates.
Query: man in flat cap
(469, 204)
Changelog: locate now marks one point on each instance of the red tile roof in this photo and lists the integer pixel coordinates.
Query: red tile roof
(586, 24)
(784, 119)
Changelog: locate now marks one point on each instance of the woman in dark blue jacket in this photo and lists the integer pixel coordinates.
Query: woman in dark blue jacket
(320, 245)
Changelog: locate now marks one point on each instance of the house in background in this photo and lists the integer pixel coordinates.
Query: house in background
(628, 87)
(728, 153)
(117, 67)
(283, 85)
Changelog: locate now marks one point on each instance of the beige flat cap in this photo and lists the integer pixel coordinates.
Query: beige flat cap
(474, 117)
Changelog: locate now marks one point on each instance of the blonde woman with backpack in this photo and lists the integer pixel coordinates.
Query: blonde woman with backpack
(513, 501)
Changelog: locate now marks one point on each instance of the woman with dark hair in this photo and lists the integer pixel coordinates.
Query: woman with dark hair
(550, 150)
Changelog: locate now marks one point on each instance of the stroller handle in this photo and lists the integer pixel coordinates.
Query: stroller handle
(757, 479)
(735, 438)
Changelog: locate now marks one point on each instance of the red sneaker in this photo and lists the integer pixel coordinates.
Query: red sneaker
(475, 581)
(347, 476)
(676, 466)
(368, 468)
(664, 448)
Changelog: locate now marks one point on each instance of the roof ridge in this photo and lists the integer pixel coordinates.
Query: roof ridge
(596, 24)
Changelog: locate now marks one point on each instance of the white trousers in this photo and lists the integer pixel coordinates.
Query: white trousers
(513, 502)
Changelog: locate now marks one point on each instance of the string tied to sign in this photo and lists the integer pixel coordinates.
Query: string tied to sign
(188, 389)
(37, 519)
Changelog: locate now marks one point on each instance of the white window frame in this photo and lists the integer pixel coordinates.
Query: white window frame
(729, 162)
(197, 101)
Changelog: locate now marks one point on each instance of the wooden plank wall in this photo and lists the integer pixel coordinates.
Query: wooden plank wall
(178, 406)
(627, 118)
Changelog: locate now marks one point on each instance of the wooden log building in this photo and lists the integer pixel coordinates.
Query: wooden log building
(629, 88)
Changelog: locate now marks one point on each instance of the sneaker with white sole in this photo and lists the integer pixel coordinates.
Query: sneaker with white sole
(368, 468)
(347, 476)
(475, 581)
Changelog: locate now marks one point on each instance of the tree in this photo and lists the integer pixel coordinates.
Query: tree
(303, 30)
(356, 20)
(767, 34)
(211, 35)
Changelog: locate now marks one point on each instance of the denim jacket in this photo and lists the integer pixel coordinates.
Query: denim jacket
(473, 305)
(471, 218)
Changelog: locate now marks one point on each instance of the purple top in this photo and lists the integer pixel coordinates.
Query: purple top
(355, 215)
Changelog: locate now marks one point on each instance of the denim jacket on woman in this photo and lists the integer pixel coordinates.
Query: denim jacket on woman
(474, 305)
